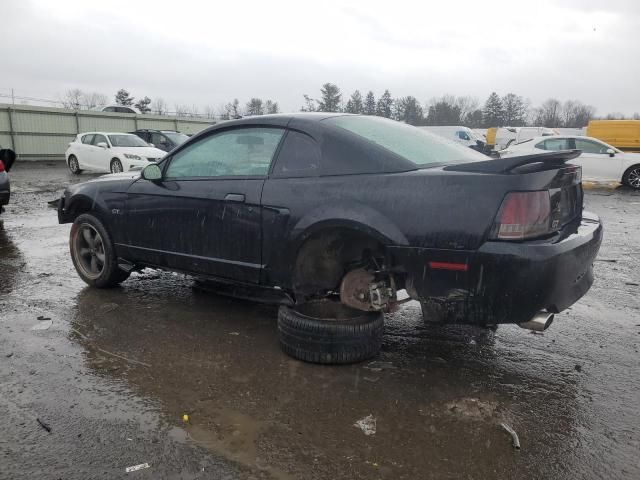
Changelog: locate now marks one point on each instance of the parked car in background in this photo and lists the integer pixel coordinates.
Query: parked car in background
(7, 157)
(622, 134)
(165, 140)
(331, 214)
(116, 109)
(109, 152)
(599, 160)
(501, 138)
(459, 134)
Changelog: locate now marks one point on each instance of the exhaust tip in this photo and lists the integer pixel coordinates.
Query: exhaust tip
(539, 323)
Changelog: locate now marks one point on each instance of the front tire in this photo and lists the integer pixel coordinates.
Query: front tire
(74, 165)
(116, 166)
(329, 333)
(93, 254)
(631, 177)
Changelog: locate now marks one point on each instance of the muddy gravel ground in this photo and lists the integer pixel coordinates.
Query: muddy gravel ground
(113, 372)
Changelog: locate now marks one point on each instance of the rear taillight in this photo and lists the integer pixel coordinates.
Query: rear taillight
(523, 215)
(1, 166)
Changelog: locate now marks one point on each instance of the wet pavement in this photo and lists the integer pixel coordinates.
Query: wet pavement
(112, 372)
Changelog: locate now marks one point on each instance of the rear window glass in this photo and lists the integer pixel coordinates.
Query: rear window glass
(416, 145)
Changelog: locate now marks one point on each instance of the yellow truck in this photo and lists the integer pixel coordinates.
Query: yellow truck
(623, 134)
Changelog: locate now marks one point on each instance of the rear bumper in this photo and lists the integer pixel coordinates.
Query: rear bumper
(504, 282)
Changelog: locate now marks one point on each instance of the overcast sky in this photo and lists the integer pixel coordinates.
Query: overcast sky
(209, 52)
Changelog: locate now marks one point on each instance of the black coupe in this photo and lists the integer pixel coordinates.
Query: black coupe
(330, 215)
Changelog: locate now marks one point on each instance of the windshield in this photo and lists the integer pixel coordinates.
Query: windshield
(125, 140)
(416, 145)
(177, 138)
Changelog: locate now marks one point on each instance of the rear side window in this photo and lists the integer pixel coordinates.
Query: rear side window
(298, 157)
(238, 152)
(557, 144)
(87, 139)
(416, 145)
(98, 139)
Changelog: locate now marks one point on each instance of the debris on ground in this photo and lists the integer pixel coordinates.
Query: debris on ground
(367, 425)
(43, 325)
(471, 408)
(44, 425)
(377, 366)
(632, 284)
(42, 318)
(234, 333)
(9, 355)
(135, 468)
(578, 368)
(514, 435)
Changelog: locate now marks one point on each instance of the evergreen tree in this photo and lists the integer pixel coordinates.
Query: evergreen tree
(384, 108)
(124, 98)
(444, 111)
(355, 105)
(514, 110)
(254, 107)
(474, 119)
(409, 110)
(330, 98)
(143, 105)
(370, 104)
(493, 111)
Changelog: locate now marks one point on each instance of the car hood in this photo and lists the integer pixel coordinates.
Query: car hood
(148, 152)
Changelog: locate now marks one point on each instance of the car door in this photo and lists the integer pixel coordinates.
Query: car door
(596, 162)
(100, 156)
(82, 150)
(204, 216)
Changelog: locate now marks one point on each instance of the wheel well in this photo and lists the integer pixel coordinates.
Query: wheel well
(635, 165)
(326, 256)
(80, 206)
(113, 159)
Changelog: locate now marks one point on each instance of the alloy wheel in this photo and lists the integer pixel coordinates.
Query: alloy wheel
(116, 166)
(634, 178)
(89, 250)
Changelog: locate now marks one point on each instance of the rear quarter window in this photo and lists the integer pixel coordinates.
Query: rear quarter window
(299, 157)
(414, 144)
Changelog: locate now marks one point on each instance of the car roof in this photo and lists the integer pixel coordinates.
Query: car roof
(547, 137)
(106, 133)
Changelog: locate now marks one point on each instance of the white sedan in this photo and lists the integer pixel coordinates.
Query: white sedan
(599, 161)
(109, 152)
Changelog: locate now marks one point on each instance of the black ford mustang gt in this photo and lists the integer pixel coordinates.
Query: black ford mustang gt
(330, 215)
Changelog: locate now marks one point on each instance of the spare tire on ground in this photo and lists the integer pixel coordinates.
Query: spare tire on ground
(329, 332)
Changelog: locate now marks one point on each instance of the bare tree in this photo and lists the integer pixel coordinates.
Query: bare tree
(467, 105)
(181, 110)
(549, 114)
(271, 107)
(210, 111)
(93, 100)
(159, 107)
(72, 99)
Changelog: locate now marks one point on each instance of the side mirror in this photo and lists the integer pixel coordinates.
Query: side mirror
(103, 145)
(151, 145)
(611, 152)
(152, 172)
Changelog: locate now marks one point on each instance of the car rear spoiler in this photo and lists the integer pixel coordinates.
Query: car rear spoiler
(506, 165)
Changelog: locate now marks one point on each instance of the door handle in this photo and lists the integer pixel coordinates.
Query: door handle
(234, 197)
